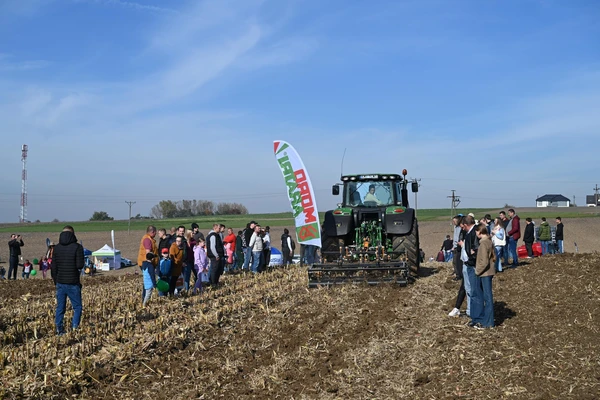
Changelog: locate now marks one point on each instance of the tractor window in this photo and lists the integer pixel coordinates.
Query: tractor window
(369, 194)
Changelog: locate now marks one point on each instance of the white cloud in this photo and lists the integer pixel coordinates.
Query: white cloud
(8, 63)
(131, 5)
(22, 7)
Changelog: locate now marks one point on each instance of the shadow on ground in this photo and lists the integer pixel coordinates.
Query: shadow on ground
(502, 313)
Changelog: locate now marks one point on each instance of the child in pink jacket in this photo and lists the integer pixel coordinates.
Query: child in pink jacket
(201, 265)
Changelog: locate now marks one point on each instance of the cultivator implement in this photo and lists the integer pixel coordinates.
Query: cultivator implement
(363, 265)
(330, 274)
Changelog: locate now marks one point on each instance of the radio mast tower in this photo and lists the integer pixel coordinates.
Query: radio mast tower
(23, 216)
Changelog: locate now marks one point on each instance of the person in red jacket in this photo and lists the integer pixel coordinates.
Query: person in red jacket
(514, 234)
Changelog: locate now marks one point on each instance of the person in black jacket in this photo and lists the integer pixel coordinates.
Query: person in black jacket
(559, 236)
(246, 235)
(14, 247)
(216, 254)
(67, 264)
(529, 237)
(287, 247)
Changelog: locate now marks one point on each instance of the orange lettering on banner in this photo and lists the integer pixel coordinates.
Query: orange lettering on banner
(307, 232)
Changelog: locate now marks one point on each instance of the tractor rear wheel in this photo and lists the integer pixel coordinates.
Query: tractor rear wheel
(409, 244)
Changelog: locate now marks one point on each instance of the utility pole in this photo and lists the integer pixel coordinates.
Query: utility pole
(596, 189)
(23, 215)
(129, 220)
(455, 201)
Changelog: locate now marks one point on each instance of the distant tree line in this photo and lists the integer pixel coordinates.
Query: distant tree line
(101, 216)
(140, 216)
(194, 208)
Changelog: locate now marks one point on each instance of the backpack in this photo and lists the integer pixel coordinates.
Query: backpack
(440, 256)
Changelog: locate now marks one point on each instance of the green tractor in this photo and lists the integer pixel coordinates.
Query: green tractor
(372, 236)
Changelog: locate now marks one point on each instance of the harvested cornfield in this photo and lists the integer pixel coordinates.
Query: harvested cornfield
(270, 337)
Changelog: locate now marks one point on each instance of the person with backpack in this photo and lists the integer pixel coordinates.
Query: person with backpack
(287, 247)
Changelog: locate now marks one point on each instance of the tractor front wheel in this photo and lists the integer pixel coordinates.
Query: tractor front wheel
(331, 244)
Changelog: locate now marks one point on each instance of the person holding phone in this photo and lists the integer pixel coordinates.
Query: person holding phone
(14, 247)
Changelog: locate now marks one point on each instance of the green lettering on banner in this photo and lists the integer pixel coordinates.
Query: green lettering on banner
(290, 181)
(282, 148)
(308, 232)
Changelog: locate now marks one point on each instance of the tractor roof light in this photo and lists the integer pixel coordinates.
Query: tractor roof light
(345, 178)
(353, 178)
(384, 177)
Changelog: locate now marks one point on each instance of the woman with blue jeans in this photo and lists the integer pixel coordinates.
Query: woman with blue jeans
(499, 242)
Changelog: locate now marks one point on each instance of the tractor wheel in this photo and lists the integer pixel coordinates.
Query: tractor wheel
(332, 244)
(410, 245)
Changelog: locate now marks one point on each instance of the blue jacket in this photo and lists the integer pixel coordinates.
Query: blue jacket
(164, 268)
(149, 276)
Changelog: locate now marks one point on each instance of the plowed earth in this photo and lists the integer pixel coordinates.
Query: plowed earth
(270, 337)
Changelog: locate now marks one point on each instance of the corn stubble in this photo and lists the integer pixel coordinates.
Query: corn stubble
(116, 331)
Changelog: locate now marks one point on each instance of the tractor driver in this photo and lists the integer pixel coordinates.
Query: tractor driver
(370, 196)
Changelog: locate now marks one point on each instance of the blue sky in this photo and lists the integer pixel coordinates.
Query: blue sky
(150, 100)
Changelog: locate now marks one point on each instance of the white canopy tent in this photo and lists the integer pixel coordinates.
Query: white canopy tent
(107, 258)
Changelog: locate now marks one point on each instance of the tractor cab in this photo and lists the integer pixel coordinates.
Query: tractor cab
(373, 190)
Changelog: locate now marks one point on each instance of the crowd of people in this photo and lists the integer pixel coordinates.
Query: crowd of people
(169, 260)
(482, 248)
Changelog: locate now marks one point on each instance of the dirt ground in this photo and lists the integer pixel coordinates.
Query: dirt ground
(268, 336)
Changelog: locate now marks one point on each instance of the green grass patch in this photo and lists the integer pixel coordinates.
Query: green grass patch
(204, 222)
(284, 219)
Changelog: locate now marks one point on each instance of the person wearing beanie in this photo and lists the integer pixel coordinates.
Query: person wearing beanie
(67, 264)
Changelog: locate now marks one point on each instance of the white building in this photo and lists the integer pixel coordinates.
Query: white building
(552, 200)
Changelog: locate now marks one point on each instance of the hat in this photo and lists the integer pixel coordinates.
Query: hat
(51, 244)
(471, 215)
(165, 251)
(195, 225)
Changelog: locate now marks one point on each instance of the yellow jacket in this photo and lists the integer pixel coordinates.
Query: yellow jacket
(142, 253)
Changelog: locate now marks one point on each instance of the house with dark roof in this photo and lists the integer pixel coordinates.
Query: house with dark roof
(552, 200)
